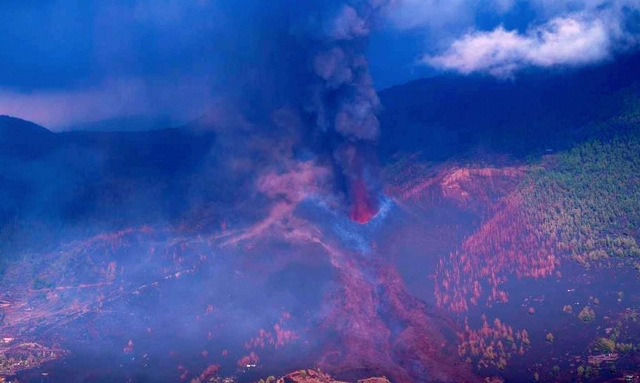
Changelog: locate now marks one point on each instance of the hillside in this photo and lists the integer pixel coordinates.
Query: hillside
(446, 117)
(591, 194)
(511, 239)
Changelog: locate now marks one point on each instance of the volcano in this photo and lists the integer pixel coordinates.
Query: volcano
(265, 287)
(217, 250)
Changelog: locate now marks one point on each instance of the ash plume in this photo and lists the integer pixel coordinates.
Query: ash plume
(341, 98)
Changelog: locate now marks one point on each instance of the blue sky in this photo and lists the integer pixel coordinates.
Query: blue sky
(66, 63)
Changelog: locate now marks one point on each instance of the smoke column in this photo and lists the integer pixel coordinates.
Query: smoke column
(342, 99)
(308, 58)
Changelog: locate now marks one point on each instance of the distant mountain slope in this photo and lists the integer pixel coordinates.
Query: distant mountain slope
(23, 139)
(11, 127)
(447, 116)
(86, 180)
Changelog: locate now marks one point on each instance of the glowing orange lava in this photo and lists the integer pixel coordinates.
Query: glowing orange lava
(364, 205)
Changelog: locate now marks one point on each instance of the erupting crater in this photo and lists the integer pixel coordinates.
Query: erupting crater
(364, 204)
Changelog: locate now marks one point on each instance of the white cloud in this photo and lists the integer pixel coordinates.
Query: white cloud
(564, 41)
(564, 33)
